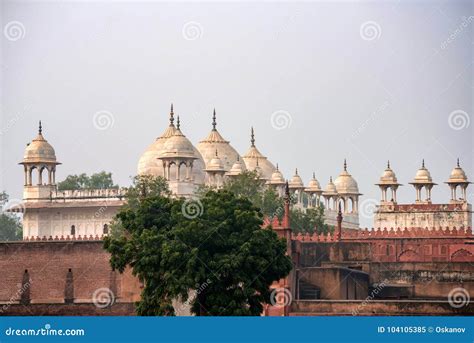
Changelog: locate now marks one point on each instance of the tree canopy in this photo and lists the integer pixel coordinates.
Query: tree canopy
(100, 180)
(10, 226)
(211, 253)
(249, 186)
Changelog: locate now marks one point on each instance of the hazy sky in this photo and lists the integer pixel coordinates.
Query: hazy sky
(358, 80)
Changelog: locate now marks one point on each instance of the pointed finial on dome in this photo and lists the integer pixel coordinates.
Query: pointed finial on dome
(314, 175)
(252, 137)
(296, 171)
(345, 165)
(388, 164)
(214, 120)
(171, 116)
(330, 179)
(178, 123)
(277, 167)
(40, 128)
(458, 163)
(423, 163)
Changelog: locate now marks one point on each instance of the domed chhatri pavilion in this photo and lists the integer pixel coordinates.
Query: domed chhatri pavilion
(49, 212)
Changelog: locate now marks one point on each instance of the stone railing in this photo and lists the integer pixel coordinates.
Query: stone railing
(89, 194)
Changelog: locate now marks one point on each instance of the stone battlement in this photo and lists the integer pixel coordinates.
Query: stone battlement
(379, 233)
(63, 238)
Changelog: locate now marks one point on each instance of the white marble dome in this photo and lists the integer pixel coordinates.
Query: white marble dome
(423, 175)
(254, 157)
(39, 150)
(296, 181)
(214, 141)
(457, 174)
(345, 183)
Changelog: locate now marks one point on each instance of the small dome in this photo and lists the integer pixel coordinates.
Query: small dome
(237, 168)
(313, 185)
(277, 177)
(39, 150)
(423, 175)
(388, 176)
(345, 183)
(178, 146)
(215, 164)
(330, 188)
(457, 175)
(296, 181)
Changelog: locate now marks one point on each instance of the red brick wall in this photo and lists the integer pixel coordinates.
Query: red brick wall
(48, 264)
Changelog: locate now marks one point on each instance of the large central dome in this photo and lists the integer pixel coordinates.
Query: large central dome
(214, 141)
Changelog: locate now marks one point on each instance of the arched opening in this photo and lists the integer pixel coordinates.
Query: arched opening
(33, 176)
(182, 171)
(350, 205)
(172, 170)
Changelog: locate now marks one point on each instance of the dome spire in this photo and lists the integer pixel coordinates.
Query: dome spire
(458, 163)
(40, 128)
(214, 120)
(388, 164)
(171, 116)
(345, 165)
(314, 175)
(178, 123)
(277, 166)
(330, 179)
(252, 137)
(423, 163)
(296, 171)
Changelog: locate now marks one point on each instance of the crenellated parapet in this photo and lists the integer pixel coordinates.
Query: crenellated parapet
(64, 238)
(392, 233)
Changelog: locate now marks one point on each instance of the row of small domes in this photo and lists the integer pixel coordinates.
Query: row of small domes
(422, 176)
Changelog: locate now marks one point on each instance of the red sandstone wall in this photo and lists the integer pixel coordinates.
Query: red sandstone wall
(48, 264)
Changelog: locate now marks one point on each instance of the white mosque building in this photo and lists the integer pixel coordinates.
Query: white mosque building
(88, 213)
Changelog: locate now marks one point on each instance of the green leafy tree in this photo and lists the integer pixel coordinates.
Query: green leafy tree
(10, 226)
(220, 252)
(100, 180)
(309, 221)
(249, 186)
